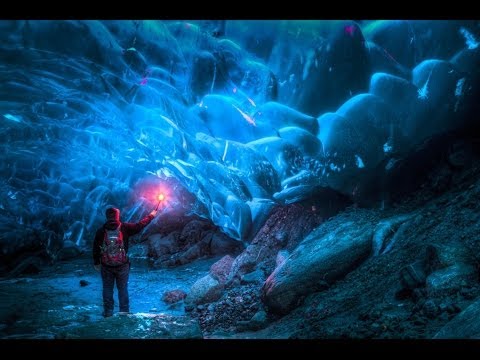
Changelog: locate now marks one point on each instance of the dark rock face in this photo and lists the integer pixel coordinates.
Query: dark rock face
(185, 239)
(463, 326)
(220, 270)
(315, 264)
(222, 244)
(285, 228)
(211, 287)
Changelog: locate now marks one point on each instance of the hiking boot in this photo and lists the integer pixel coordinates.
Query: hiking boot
(107, 314)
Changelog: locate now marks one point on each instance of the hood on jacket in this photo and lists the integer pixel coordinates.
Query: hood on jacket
(111, 224)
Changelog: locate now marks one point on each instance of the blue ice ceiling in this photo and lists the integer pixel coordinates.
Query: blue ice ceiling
(234, 116)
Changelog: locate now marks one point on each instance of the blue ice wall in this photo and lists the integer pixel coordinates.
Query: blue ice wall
(238, 115)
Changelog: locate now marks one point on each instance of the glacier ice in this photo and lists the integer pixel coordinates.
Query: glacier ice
(92, 111)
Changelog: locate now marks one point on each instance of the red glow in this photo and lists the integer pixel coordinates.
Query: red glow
(145, 193)
(154, 193)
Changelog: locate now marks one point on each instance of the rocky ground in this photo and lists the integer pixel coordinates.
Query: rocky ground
(64, 302)
(405, 271)
(421, 282)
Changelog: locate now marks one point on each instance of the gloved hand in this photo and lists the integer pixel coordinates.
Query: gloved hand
(154, 213)
(97, 267)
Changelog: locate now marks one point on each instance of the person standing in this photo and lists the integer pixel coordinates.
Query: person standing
(110, 257)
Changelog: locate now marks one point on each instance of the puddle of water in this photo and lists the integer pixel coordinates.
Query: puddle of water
(53, 302)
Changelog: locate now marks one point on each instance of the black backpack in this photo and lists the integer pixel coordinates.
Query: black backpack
(113, 250)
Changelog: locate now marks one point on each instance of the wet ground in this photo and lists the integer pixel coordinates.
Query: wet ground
(65, 301)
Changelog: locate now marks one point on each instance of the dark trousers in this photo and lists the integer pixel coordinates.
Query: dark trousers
(109, 276)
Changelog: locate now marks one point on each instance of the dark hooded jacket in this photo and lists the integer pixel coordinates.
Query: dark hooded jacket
(127, 229)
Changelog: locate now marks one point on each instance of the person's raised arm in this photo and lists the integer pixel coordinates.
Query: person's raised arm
(135, 228)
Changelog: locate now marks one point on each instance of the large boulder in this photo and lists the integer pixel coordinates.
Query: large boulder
(463, 326)
(316, 263)
(450, 279)
(159, 246)
(286, 227)
(221, 244)
(205, 290)
(220, 270)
